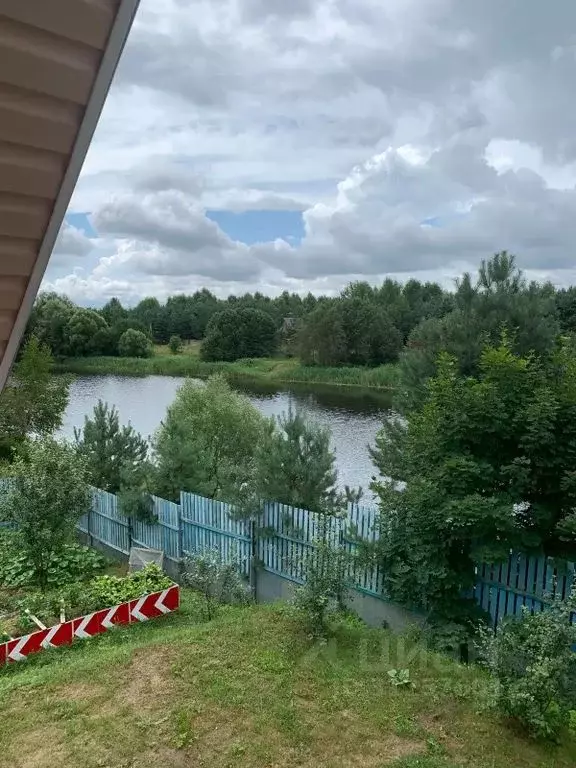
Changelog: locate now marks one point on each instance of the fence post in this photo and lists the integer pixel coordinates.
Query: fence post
(180, 540)
(129, 534)
(90, 537)
(253, 560)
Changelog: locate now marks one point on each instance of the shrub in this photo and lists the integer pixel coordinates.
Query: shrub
(74, 563)
(46, 497)
(219, 582)
(110, 590)
(324, 590)
(534, 668)
(175, 344)
(134, 344)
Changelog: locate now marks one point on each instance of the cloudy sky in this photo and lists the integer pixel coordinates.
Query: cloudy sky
(300, 144)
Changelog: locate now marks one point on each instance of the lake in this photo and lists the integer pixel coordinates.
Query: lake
(353, 418)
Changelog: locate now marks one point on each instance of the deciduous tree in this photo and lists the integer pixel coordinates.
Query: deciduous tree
(206, 442)
(488, 465)
(134, 344)
(33, 401)
(239, 333)
(47, 496)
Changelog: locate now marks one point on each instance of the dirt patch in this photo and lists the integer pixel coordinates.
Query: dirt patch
(37, 748)
(216, 737)
(369, 753)
(148, 682)
(80, 692)
(162, 757)
(434, 726)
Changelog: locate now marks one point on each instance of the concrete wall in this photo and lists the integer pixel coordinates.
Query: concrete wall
(381, 613)
(271, 587)
(374, 611)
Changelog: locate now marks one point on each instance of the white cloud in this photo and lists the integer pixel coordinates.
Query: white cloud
(417, 136)
(71, 245)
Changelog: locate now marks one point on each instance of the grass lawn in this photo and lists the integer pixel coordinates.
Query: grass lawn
(249, 690)
(267, 369)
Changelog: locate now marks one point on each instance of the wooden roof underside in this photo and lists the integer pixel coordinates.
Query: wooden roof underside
(57, 59)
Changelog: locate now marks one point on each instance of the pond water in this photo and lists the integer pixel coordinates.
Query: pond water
(353, 418)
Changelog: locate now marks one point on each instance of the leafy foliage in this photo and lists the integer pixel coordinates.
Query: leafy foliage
(501, 299)
(219, 582)
(534, 668)
(33, 401)
(206, 443)
(354, 329)
(400, 678)
(324, 590)
(49, 322)
(47, 495)
(81, 331)
(79, 598)
(73, 563)
(175, 344)
(109, 590)
(234, 334)
(134, 343)
(488, 464)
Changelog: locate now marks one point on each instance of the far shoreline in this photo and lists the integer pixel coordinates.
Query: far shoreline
(273, 371)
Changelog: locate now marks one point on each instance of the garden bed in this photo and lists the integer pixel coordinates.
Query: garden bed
(85, 596)
(148, 606)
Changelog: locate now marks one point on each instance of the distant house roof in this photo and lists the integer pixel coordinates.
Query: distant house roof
(57, 60)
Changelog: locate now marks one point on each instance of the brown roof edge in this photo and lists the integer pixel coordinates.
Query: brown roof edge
(110, 57)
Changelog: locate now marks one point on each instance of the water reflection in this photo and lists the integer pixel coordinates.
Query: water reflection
(353, 417)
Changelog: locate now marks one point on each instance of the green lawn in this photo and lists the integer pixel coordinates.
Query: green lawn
(248, 689)
(267, 369)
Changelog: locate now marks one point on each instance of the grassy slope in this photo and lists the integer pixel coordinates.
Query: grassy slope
(249, 690)
(272, 370)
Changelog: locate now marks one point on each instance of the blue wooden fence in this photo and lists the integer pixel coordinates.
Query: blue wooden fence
(197, 524)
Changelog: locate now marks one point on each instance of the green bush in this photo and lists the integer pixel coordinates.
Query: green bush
(75, 563)
(324, 590)
(534, 668)
(110, 590)
(175, 345)
(219, 582)
(134, 344)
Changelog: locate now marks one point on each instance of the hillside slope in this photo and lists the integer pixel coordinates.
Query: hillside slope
(248, 689)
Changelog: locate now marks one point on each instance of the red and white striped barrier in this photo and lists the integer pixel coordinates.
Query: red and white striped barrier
(144, 608)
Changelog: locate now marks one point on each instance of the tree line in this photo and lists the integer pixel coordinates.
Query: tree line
(364, 325)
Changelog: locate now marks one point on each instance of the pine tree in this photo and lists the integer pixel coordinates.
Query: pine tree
(295, 465)
(115, 456)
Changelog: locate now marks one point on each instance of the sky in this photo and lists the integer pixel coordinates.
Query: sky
(298, 145)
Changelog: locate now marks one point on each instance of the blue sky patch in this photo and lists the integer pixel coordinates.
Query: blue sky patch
(82, 222)
(251, 227)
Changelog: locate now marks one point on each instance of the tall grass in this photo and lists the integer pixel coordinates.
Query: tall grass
(272, 370)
